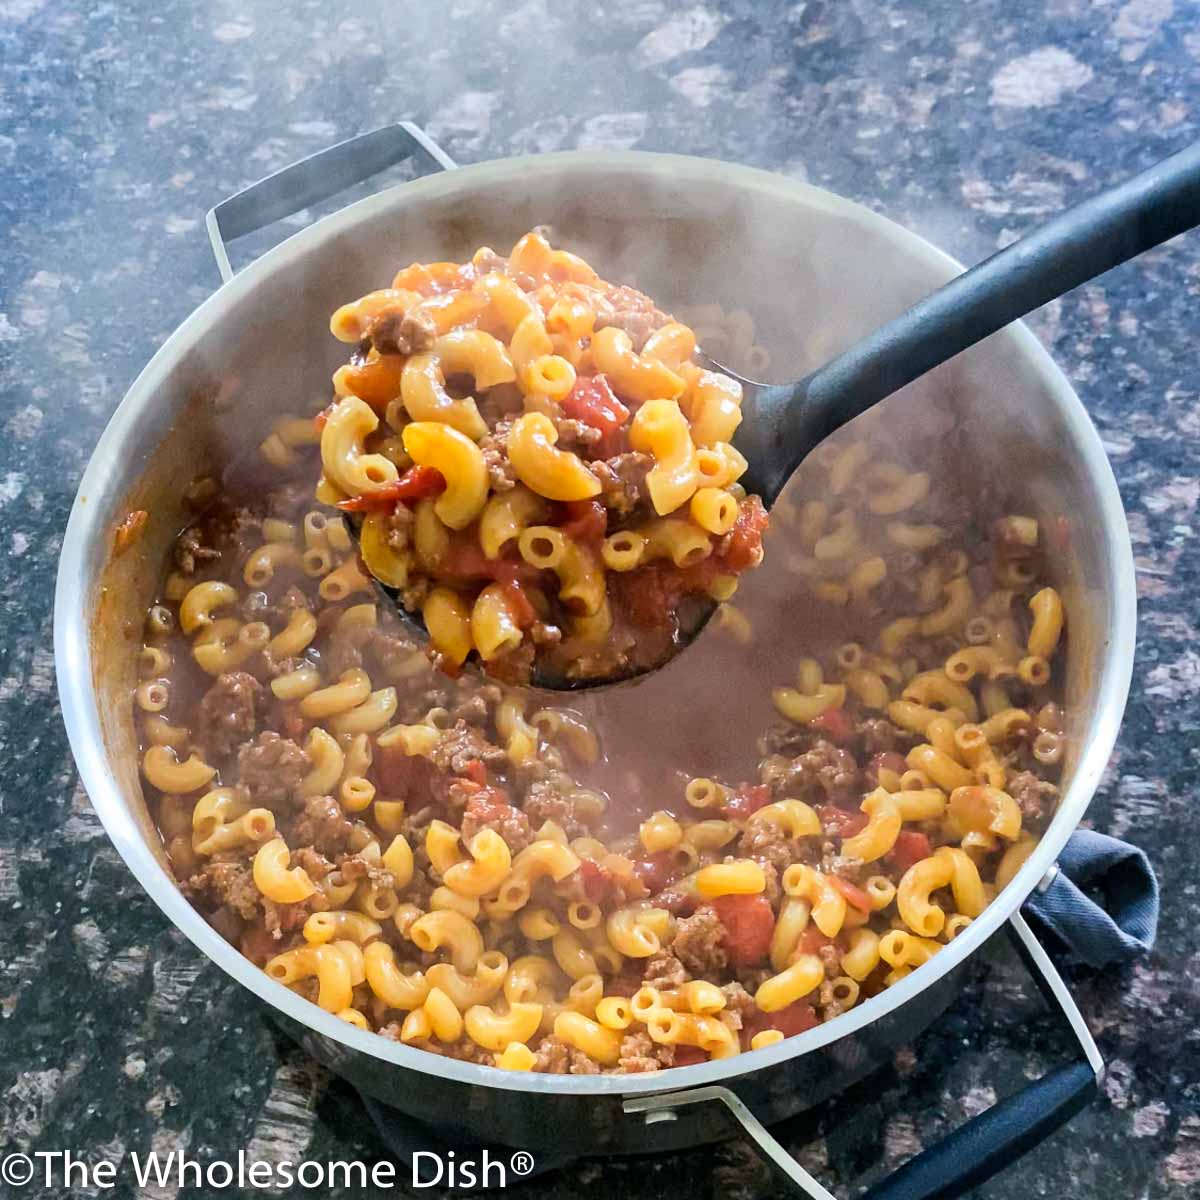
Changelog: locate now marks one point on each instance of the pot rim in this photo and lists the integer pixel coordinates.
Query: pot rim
(73, 659)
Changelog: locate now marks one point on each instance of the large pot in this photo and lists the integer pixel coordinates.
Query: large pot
(830, 270)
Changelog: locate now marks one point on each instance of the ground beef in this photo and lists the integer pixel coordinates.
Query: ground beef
(623, 481)
(407, 333)
(880, 736)
(1035, 797)
(852, 870)
(355, 869)
(786, 739)
(317, 865)
(699, 941)
(825, 772)
(191, 551)
(739, 1004)
(510, 823)
(462, 744)
(640, 1053)
(765, 842)
(476, 707)
(270, 769)
(465, 1050)
(555, 1057)
(664, 971)
(229, 884)
(322, 825)
(552, 799)
(258, 606)
(222, 533)
(632, 311)
(494, 446)
(229, 713)
(576, 436)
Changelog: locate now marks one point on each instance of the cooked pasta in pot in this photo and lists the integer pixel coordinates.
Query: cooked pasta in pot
(448, 860)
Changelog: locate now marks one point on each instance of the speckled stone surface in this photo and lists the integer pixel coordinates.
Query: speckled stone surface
(967, 121)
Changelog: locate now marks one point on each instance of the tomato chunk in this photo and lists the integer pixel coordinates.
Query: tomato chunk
(795, 1019)
(402, 775)
(749, 923)
(416, 483)
(911, 846)
(689, 1056)
(834, 724)
(852, 892)
(648, 596)
(488, 805)
(476, 771)
(839, 821)
(591, 401)
(595, 880)
(587, 521)
(745, 538)
(746, 800)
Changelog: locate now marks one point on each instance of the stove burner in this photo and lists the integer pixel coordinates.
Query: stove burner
(403, 1136)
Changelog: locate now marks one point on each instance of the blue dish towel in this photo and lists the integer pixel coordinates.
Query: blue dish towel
(1103, 904)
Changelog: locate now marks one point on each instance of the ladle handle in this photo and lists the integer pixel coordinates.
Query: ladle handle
(1083, 242)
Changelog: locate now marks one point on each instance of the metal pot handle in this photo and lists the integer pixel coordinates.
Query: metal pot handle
(316, 178)
(972, 1153)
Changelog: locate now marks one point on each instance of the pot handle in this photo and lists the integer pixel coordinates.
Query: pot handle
(316, 178)
(972, 1153)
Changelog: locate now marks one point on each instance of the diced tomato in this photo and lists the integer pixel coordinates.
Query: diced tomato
(587, 521)
(402, 775)
(746, 800)
(591, 401)
(648, 596)
(476, 771)
(794, 1019)
(834, 724)
(415, 484)
(488, 805)
(852, 892)
(745, 538)
(911, 846)
(689, 1056)
(840, 822)
(749, 923)
(595, 880)
(655, 870)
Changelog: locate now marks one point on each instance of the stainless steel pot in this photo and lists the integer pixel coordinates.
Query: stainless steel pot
(816, 271)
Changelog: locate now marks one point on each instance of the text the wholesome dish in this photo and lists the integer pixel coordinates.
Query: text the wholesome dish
(450, 861)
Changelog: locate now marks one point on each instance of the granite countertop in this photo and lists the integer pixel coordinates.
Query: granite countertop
(968, 122)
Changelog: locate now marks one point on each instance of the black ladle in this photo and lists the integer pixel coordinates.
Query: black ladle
(784, 423)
